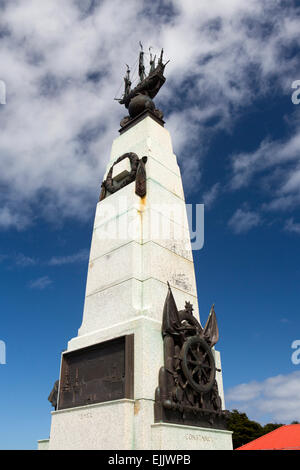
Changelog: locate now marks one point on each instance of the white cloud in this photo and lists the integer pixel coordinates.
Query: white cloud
(274, 399)
(269, 155)
(60, 117)
(24, 261)
(211, 195)
(41, 283)
(244, 392)
(274, 167)
(75, 258)
(11, 218)
(244, 220)
(292, 226)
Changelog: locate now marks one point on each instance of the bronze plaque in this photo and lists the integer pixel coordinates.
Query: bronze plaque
(99, 373)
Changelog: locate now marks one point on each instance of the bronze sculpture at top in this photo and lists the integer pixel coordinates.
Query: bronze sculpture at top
(140, 99)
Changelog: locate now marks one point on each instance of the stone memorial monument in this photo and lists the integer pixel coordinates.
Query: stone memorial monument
(141, 374)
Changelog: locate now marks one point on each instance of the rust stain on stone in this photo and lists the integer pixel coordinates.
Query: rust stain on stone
(143, 203)
(137, 407)
(140, 211)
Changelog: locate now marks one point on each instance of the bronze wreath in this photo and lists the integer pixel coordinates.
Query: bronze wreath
(110, 186)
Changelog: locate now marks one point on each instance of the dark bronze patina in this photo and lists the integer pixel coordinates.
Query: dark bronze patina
(140, 99)
(140, 182)
(96, 374)
(54, 394)
(137, 174)
(188, 391)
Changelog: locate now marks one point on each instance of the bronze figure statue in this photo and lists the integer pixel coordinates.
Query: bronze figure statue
(188, 390)
(54, 395)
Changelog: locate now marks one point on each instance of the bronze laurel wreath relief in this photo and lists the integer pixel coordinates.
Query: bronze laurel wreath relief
(137, 174)
(188, 390)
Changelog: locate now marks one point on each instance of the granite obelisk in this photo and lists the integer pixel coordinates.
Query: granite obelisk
(109, 396)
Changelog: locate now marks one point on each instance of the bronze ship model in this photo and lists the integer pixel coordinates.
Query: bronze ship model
(139, 99)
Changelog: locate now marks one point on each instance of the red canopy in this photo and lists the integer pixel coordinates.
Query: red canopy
(283, 438)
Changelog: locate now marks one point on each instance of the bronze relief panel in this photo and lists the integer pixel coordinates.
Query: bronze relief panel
(99, 373)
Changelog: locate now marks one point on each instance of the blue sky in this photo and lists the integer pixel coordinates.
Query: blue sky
(235, 130)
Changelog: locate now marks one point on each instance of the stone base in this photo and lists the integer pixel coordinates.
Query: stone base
(43, 444)
(132, 121)
(104, 426)
(126, 425)
(174, 437)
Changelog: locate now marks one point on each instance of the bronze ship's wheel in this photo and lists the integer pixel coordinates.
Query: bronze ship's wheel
(198, 364)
